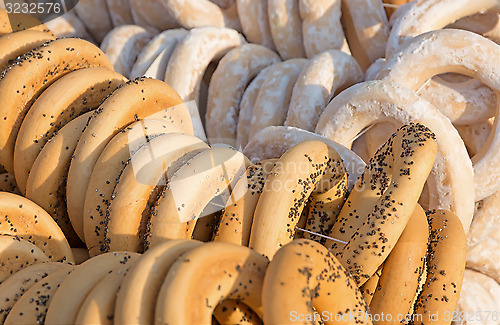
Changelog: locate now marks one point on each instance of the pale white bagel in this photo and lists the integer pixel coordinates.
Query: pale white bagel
(94, 14)
(200, 13)
(366, 29)
(123, 44)
(321, 27)
(246, 106)
(483, 240)
(233, 74)
(272, 104)
(162, 44)
(457, 51)
(323, 76)
(152, 14)
(195, 52)
(69, 25)
(286, 28)
(255, 22)
(426, 15)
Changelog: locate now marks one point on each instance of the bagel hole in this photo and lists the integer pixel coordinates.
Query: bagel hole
(203, 95)
(470, 105)
(371, 138)
(486, 24)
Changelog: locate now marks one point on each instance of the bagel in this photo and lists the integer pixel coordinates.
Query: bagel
(162, 44)
(445, 267)
(69, 25)
(73, 94)
(377, 101)
(65, 303)
(135, 193)
(32, 307)
(136, 298)
(451, 50)
(483, 240)
(123, 44)
(194, 52)
(304, 278)
(200, 13)
(95, 16)
(321, 27)
(16, 253)
(430, 15)
(273, 101)
(274, 141)
(120, 12)
(286, 28)
(255, 22)
(152, 14)
(233, 74)
(30, 74)
(16, 22)
(215, 172)
(236, 272)
(20, 282)
(8, 184)
(475, 135)
(16, 44)
(371, 229)
(46, 185)
(366, 29)
(138, 99)
(403, 269)
(246, 106)
(322, 77)
(26, 220)
(106, 175)
(297, 174)
(236, 220)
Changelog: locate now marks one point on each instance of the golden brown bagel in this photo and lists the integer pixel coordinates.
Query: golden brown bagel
(305, 277)
(445, 268)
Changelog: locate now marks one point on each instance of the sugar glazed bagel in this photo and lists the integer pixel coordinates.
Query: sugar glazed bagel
(456, 51)
(377, 101)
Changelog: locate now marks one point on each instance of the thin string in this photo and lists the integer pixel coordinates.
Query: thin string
(321, 235)
(361, 133)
